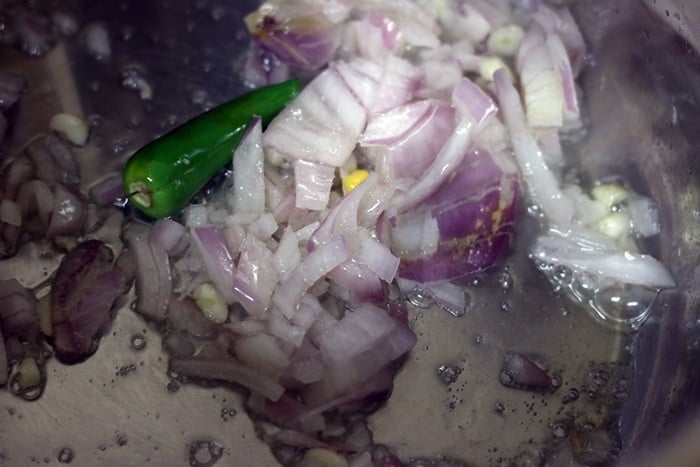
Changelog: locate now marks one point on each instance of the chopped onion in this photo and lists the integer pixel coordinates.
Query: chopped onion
(323, 259)
(542, 88)
(542, 184)
(287, 256)
(108, 191)
(375, 37)
(153, 276)
(288, 412)
(18, 308)
(12, 86)
(73, 128)
(36, 196)
(15, 174)
(4, 369)
(228, 370)
(407, 138)
(170, 235)
(217, 259)
(68, 212)
(264, 227)
(10, 213)
(321, 125)
(297, 32)
(313, 184)
(262, 352)
(248, 178)
(644, 217)
(183, 315)
(356, 348)
(256, 276)
(610, 263)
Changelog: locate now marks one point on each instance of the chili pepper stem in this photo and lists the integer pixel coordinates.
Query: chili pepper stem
(140, 194)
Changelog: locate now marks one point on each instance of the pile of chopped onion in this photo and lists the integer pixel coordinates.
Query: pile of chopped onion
(397, 168)
(400, 167)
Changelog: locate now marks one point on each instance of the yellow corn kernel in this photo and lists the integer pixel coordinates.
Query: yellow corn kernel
(505, 40)
(609, 194)
(353, 179)
(614, 225)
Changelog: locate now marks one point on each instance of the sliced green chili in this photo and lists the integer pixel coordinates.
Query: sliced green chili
(162, 177)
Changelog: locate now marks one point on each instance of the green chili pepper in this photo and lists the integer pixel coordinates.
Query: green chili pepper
(162, 177)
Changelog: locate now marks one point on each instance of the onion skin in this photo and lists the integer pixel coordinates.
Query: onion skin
(86, 285)
(476, 213)
(300, 35)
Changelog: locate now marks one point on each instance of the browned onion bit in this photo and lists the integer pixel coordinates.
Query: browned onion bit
(86, 285)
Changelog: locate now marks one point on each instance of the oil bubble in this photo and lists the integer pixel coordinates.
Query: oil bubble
(204, 453)
(66, 456)
(570, 396)
(137, 342)
(448, 374)
(420, 298)
(559, 431)
(625, 304)
(505, 281)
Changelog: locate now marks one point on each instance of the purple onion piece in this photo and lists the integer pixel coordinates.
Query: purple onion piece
(86, 285)
(297, 36)
(69, 210)
(18, 313)
(520, 372)
(170, 235)
(54, 161)
(475, 213)
(107, 191)
(12, 85)
(47, 168)
(287, 412)
(63, 156)
(153, 276)
(3, 359)
(355, 350)
(228, 369)
(411, 147)
(4, 125)
(34, 34)
(9, 238)
(15, 174)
